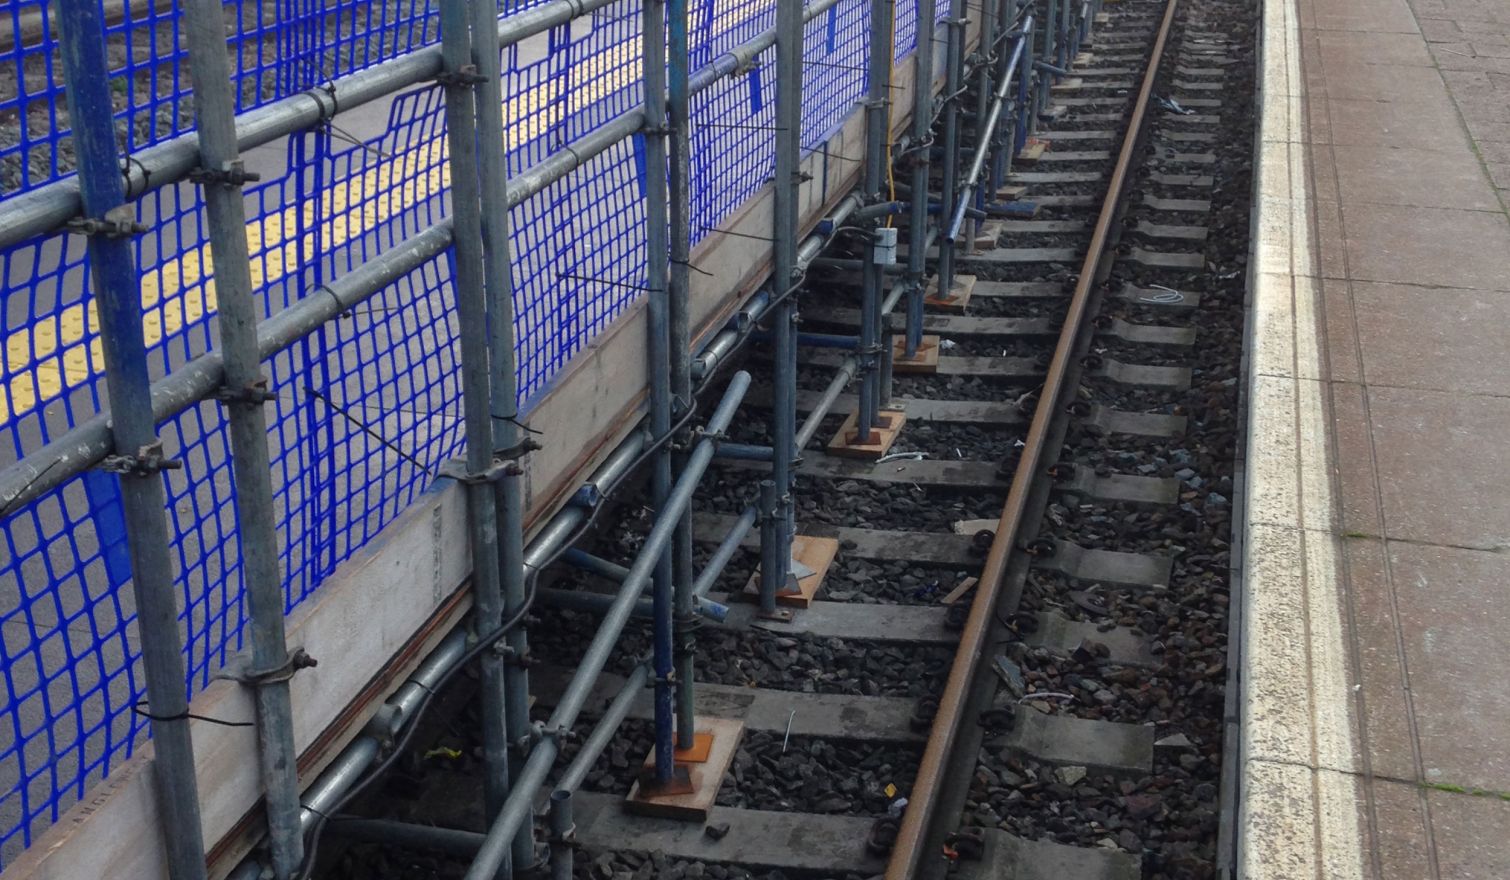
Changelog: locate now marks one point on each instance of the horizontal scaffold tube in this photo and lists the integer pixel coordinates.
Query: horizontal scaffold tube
(87, 443)
(46, 208)
(495, 849)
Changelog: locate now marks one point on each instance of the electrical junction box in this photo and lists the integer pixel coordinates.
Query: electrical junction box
(885, 252)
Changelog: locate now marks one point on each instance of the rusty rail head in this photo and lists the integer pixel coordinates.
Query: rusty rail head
(907, 854)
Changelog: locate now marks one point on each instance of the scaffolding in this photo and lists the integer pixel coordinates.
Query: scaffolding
(389, 315)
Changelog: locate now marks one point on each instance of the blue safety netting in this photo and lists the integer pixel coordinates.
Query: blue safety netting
(369, 407)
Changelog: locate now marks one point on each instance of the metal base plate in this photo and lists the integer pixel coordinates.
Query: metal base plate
(702, 746)
(888, 425)
(925, 361)
(958, 296)
(815, 553)
(703, 778)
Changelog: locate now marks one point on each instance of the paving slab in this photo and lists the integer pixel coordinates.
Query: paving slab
(1375, 573)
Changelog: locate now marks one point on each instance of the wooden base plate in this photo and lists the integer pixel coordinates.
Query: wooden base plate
(958, 296)
(987, 235)
(1010, 192)
(1068, 84)
(1034, 149)
(888, 425)
(721, 736)
(925, 361)
(815, 553)
(1084, 59)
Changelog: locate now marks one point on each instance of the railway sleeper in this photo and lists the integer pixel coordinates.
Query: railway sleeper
(1005, 856)
(1090, 565)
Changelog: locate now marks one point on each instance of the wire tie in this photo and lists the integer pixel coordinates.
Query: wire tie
(138, 709)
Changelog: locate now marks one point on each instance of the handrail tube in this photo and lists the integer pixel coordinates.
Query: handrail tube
(85, 444)
(44, 209)
(543, 755)
(983, 139)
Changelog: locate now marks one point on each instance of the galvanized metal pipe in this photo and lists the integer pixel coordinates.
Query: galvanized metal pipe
(244, 395)
(776, 539)
(726, 550)
(477, 395)
(44, 209)
(954, 65)
(603, 732)
(678, 122)
(985, 74)
(543, 756)
(984, 136)
(922, 139)
(563, 830)
(84, 445)
(658, 364)
(504, 680)
(599, 603)
(877, 132)
(118, 300)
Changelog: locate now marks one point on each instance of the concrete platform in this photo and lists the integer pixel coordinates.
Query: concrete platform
(1375, 705)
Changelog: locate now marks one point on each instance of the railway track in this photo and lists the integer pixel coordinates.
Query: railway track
(1016, 665)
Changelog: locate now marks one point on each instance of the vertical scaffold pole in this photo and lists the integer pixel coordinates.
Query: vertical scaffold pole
(460, 79)
(776, 554)
(922, 145)
(244, 395)
(678, 120)
(138, 457)
(1049, 54)
(504, 680)
(1005, 133)
(990, 28)
(1027, 107)
(658, 367)
(954, 65)
(877, 133)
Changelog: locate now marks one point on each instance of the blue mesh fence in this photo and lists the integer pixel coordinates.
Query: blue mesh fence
(368, 407)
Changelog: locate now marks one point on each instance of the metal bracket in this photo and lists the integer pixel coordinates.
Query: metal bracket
(147, 461)
(239, 669)
(233, 175)
(465, 75)
(254, 393)
(118, 222)
(457, 470)
(517, 451)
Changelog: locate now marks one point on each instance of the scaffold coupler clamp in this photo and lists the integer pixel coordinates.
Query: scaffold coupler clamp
(147, 461)
(233, 174)
(254, 394)
(240, 669)
(118, 222)
(465, 76)
(458, 470)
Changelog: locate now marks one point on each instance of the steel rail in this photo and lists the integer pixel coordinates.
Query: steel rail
(908, 852)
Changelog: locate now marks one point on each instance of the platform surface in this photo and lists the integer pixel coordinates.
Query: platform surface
(1375, 577)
